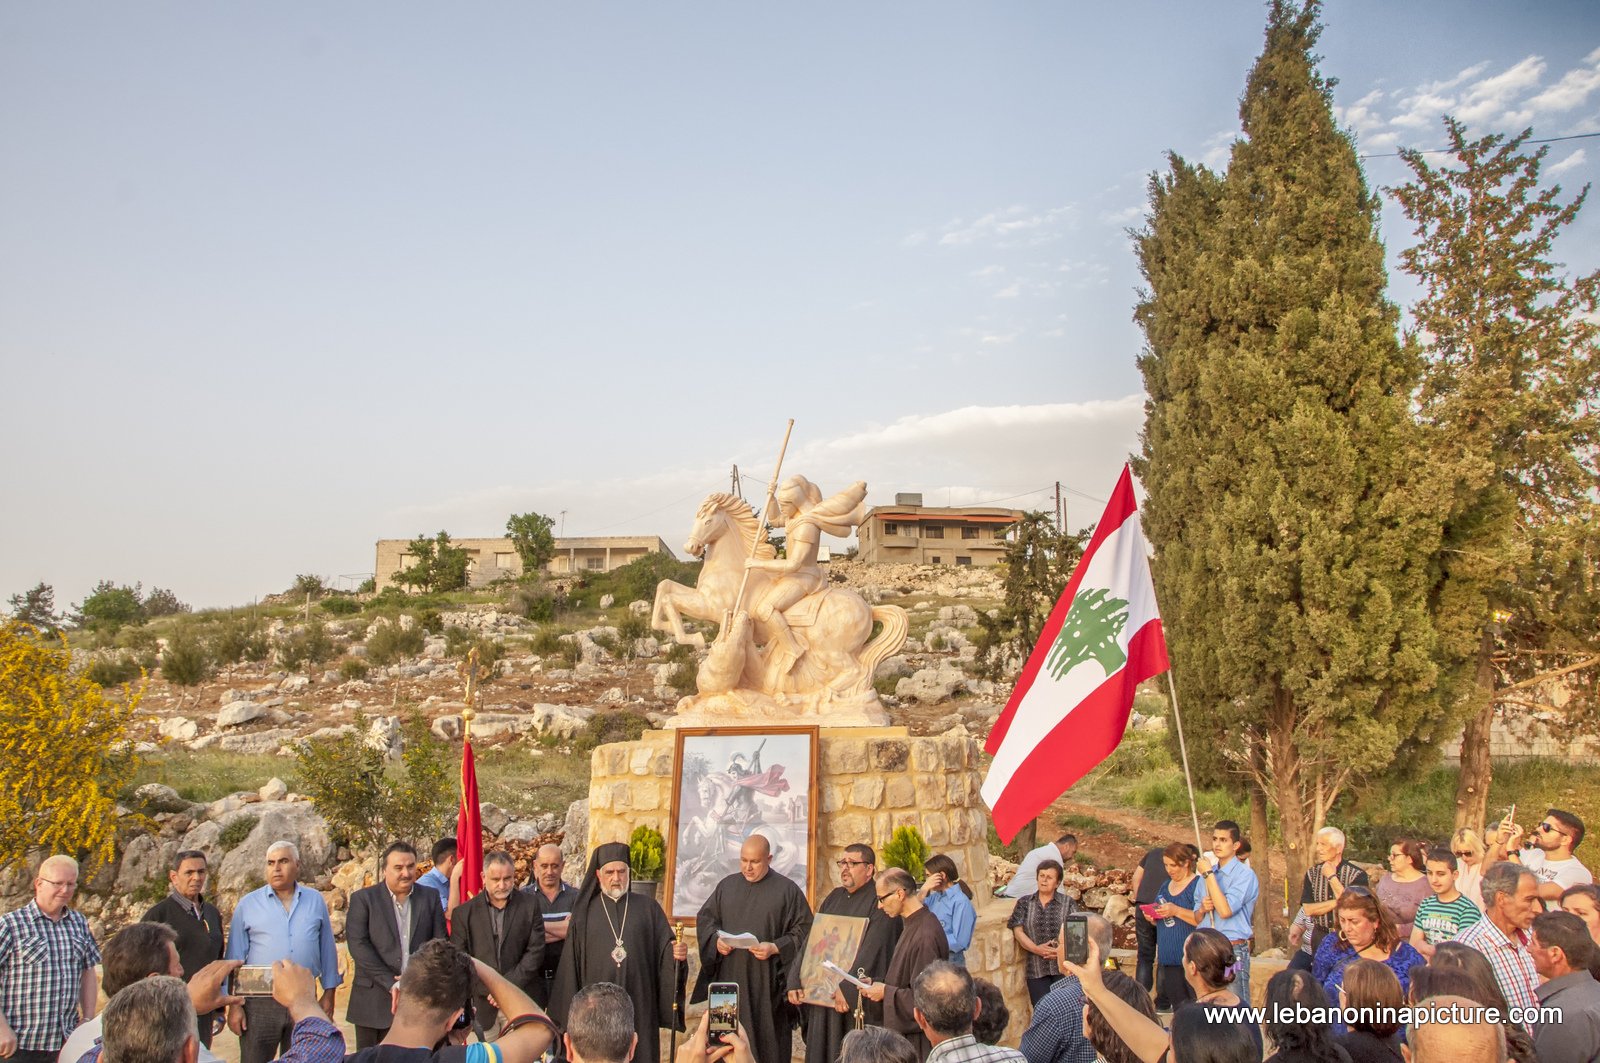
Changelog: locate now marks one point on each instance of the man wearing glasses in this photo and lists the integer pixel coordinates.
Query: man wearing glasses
(47, 962)
(922, 941)
(1551, 859)
(824, 1024)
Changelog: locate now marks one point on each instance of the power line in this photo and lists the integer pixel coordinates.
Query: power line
(1446, 151)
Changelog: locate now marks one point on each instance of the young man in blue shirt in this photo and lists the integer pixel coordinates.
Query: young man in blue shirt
(1231, 889)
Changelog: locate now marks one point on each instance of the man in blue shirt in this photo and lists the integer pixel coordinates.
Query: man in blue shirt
(438, 878)
(1231, 890)
(282, 920)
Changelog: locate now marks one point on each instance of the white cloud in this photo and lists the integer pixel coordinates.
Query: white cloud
(963, 456)
(1218, 148)
(1571, 161)
(1010, 291)
(1506, 101)
(1125, 216)
(998, 339)
(1015, 226)
(988, 271)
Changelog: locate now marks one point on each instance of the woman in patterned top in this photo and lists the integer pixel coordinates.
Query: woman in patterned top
(1366, 932)
(1036, 923)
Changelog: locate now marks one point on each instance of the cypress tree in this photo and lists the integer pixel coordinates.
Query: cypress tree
(1511, 397)
(1293, 521)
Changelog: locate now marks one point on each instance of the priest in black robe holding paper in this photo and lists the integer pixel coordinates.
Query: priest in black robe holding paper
(617, 936)
(774, 911)
(824, 1026)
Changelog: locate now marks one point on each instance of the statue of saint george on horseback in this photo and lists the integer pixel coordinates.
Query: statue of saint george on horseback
(791, 644)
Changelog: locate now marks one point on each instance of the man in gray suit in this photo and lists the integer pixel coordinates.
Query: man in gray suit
(387, 923)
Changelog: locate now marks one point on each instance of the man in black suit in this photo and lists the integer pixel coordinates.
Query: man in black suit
(503, 927)
(387, 924)
(197, 921)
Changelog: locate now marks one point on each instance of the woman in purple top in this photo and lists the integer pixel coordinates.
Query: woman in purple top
(1405, 887)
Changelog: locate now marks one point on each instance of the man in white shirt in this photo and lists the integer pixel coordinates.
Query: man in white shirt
(137, 952)
(1552, 862)
(1026, 881)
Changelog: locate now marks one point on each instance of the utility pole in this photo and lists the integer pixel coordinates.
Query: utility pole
(733, 483)
(1060, 516)
(563, 524)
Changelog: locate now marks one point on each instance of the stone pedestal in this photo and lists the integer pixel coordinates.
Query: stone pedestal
(870, 780)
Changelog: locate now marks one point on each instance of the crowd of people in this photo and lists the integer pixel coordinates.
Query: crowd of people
(519, 971)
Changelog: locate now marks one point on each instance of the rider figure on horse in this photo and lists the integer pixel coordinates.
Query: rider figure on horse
(799, 508)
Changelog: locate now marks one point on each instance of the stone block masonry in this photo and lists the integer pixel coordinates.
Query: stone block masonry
(870, 780)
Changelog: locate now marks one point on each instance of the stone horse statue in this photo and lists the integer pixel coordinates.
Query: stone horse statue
(833, 654)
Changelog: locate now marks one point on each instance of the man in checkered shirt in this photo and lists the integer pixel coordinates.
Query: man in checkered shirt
(47, 962)
(1510, 901)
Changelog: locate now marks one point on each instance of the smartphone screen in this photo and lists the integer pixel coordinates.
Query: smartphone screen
(724, 1004)
(1075, 928)
(252, 982)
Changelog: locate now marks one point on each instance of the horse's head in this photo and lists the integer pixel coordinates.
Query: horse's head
(710, 522)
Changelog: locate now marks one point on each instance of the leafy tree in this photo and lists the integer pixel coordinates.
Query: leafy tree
(531, 535)
(392, 641)
(185, 662)
(162, 602)
(108, 608)
(1293, 516)
(308, 644)
(1511, 396)
(239, 638)
(308, 583)
(439, 566)
(367, 800)
(1038, 562)
(64, 752)
(37, 609)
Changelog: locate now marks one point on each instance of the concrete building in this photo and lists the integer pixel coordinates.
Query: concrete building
(910, 533)
(492, 559)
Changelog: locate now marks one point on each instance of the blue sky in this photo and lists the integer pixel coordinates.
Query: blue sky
(280, 280)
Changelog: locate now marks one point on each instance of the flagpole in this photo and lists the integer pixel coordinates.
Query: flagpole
(1183, 751)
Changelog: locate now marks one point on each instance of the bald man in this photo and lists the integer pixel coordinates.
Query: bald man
(773, 910)
(554, 898)
(1480, 1041)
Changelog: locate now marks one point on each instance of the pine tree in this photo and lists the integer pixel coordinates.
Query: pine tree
(1511, 395)
(1293, 519)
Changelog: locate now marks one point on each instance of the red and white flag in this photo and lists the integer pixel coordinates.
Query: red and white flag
(1071, 703)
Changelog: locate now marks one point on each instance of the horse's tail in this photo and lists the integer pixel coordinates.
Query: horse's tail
(896, 623)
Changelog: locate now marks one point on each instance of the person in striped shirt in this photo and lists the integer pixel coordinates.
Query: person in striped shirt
(1448, 912)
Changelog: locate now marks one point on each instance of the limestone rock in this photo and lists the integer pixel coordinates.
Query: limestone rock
(494, 817)
(274, 790)
(613, 696)
(447, 728)
(177, 728)
(561, 721)
(154, 797)
(294, 821)
(239, 713)
(639, 608)
(145, 858)
(523, 830)
(260, 743)
(294, 684)
(1117, 909)
(383, 734)
(607, 601)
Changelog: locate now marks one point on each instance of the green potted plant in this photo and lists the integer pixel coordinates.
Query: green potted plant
(647, 856)
(906, 850)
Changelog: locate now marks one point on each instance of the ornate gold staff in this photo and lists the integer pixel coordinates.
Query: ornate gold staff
(468, 670)
(861, 1001)
(677, 990)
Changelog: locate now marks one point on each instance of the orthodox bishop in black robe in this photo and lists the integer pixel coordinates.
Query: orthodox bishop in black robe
(824, 1027)
(773, 909)
(623, 940)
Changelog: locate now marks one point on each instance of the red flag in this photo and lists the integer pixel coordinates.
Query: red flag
(469, 829)
(1071, 703)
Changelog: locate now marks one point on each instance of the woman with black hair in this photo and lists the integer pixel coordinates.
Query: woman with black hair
(1299, 1042)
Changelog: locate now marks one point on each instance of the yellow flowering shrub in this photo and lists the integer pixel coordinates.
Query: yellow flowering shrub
(64, 752)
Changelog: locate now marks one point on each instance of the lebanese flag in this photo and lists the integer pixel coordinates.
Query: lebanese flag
(469, 828)
(1071, 703)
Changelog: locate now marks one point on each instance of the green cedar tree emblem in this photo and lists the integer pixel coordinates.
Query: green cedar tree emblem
(1090, 631)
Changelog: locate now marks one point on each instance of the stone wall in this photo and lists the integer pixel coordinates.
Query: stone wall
(871, 780)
